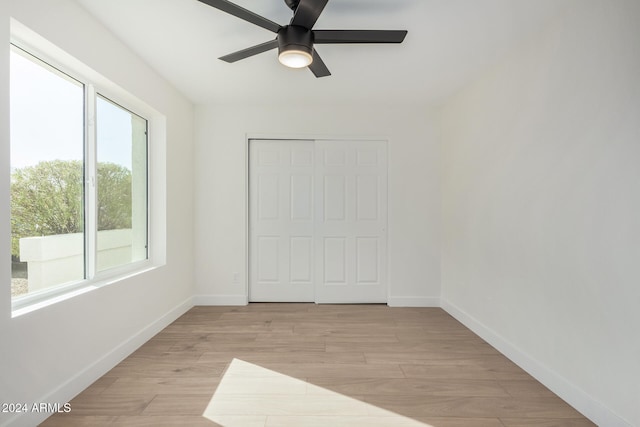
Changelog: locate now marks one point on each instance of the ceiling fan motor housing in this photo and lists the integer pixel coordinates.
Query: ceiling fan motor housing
(293, 37)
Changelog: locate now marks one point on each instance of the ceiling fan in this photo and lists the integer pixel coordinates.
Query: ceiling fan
(295, 41)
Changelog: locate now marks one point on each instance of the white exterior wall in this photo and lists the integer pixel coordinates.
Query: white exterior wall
(50, 354)
(54, 260)
(541, 193)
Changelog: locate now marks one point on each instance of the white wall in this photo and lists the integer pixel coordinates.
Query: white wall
(541, 202)
(414, 190)
(52, 353)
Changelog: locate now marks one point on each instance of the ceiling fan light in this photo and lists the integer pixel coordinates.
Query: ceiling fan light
(294, 58)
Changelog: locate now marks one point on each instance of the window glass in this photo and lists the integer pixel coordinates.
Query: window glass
(47, 176)
(121, 147)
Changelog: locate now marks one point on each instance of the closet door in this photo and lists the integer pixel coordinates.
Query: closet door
(318, 215)
(351, 221)
(281, 221)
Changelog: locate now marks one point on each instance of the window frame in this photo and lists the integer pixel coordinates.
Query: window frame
(95, 84)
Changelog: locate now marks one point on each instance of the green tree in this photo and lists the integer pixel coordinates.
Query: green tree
(47, 199)
(114, 197)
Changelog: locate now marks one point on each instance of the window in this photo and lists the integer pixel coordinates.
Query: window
(121, 152)
(79, 181)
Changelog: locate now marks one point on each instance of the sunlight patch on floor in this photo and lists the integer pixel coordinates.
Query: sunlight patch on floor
(249, 395)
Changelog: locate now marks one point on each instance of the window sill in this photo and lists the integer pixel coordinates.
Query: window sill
(30, 303)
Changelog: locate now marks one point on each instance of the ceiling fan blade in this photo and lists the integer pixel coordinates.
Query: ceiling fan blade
(318, 67)
(242, 13)
(358, 36)
(308, 12)
(250, 51)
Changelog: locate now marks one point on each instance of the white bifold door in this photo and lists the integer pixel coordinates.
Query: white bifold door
(317, 221)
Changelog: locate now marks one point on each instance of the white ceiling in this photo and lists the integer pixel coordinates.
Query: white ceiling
(449, 42)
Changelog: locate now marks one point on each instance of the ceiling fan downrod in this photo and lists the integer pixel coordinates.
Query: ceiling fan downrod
(293, 4)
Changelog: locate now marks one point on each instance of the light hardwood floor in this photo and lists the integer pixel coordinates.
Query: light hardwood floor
(269, 365)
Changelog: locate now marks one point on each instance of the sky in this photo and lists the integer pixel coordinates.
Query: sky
(47, 118)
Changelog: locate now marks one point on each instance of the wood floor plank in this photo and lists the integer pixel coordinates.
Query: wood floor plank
(438, 357)
(460, 422)
(163, 357)
(177, 404)
(287, 405)
(427, 350)
(341, 421)
(69, 420)
(288, 358)
(413, 386)
(163, 421)
(426, 335)
(135, 368)
(474, 407)
(350, 364)
(525, 388)
(381, 422)
(379, 339)
(100, 385)
(542, 422)
(154, 386)
(87, 404)
(336, 370)
(466, 368)
(273, 346)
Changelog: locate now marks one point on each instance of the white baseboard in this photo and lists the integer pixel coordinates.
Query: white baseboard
(83, 379)
(239, 300)
(233, 300)
(413, 302)
(581, 401)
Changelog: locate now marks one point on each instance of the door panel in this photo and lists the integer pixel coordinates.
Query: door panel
(335, 261)
(268, 196)
(281, 197)
(301, 197)
(334, 198)
(367, 204)
(301, 260)
(351, 222)
(268, 259)
(367, 260)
